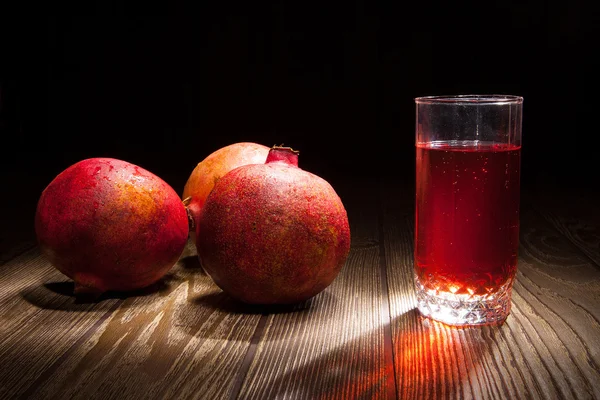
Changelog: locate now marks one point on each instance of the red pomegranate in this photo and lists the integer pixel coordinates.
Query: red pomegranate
(110, 225)
(273, 233)
(213, 167)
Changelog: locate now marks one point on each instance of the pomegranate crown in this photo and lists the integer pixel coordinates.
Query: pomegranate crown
(283, 154)
(282, 147)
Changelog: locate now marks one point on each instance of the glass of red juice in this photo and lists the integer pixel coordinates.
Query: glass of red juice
(467, 206)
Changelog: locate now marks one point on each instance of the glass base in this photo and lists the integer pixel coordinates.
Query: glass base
(464, 309)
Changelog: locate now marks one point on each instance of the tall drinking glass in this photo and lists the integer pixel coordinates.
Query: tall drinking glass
(467, 206)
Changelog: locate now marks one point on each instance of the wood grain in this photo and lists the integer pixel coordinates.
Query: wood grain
(183, 339)
(548, 347)
(576, 215)
(333, 345)
(38, 324)
(361, 338)
(16, 233)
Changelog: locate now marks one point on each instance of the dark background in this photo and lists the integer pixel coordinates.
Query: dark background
(335, 81)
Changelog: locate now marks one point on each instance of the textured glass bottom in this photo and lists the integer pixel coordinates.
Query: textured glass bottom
(464, 309)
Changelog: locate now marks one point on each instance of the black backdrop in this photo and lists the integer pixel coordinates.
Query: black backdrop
(337, 82)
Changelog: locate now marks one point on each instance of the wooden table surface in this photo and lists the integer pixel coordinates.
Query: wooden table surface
(361, 338)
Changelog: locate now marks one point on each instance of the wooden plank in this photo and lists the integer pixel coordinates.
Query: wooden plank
(16, 232)
(561, 292)
(549, 346)
(38, 323)
(184, 339)
(10, 249)
(332, 346)
(576, 215)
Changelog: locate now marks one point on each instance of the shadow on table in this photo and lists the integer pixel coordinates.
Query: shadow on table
(191, 263)
(431, 360)
(60, 295)
(223, 302)
(437, 360)
(192, 318)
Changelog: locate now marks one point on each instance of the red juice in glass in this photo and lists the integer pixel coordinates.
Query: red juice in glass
(468, 161)
(467, 216)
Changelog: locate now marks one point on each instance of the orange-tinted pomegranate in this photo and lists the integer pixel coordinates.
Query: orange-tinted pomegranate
(214, 166)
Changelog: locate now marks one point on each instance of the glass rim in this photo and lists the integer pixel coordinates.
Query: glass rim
(470, 99)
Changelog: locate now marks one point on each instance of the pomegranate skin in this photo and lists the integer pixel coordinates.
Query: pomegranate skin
(273, 233)
(110, 225)
(204, 176)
